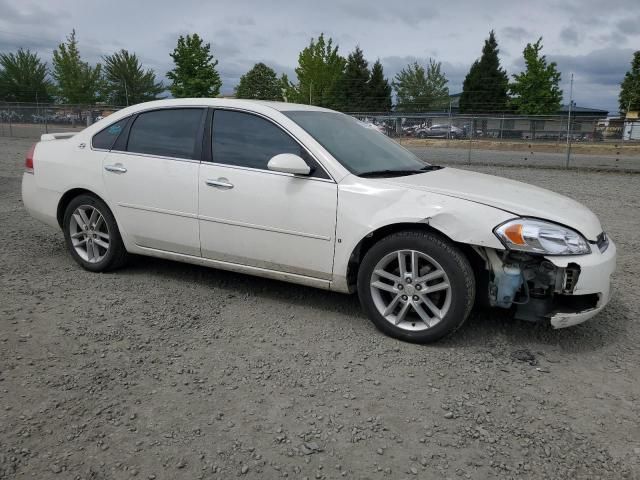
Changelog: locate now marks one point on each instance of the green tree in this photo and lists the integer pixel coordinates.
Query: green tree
(126, 83)
(379, 90)
(77, 81)
(485, 88)
(194, 74)
(260, 83)
(419, 89)
(23, 77)
(319, 70)
(288, 89)
(536, 91)
(353, 86)
(629, 99)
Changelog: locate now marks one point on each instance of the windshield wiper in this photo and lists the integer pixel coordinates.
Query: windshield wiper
(398, 173)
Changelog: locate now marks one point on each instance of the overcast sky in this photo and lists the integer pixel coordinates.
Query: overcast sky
(593, 39)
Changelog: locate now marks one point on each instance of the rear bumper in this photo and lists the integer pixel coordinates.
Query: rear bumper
(595, 279)
(41, 203)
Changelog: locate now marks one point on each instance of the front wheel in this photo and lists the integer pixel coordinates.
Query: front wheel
(416, 286)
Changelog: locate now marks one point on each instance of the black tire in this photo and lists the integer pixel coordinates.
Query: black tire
(453, 262)
(422, 135)
(116, 255)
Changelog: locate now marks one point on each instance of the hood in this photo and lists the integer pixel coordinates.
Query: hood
(511, 196)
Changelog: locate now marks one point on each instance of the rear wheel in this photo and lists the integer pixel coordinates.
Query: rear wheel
(92, 235)
(416, 286)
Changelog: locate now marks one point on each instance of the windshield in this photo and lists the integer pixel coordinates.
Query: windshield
(357, 146)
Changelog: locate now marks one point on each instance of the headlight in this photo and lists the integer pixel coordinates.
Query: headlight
(538, 236)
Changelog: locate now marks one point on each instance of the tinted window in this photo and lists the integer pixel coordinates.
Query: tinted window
(168, 133)
(250, 141)
(105, 138)
(359, 148)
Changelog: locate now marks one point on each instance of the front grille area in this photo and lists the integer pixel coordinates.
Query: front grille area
(603, 242)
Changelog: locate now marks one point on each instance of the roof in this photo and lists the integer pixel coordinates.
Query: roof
(583, 110)
(222, 102)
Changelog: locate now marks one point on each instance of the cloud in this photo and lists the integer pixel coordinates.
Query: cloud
(517, 34)
(630, 26)
(570, 36)
(250, 31)
(242, 20)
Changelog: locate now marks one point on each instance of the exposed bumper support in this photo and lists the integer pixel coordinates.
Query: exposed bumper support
(565, 290)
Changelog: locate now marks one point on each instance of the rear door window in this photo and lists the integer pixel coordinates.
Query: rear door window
(105, 138)
(175, 133)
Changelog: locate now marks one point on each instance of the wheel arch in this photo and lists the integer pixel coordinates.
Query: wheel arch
(369, 240)
(70, 195)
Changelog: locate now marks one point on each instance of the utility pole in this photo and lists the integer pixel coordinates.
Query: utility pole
(449, 132)
(126, 92)
(569, 122)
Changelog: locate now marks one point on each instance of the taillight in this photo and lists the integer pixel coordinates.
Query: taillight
(28, 161)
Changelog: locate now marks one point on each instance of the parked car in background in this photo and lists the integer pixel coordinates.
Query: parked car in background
(312, 196)
(439, 131)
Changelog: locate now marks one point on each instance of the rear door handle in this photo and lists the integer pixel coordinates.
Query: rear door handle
(115, 168)
(222, 183)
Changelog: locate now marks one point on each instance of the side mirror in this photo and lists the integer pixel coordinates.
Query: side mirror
(289, 163)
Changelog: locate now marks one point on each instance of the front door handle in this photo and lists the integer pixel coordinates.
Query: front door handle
(219, 183)
(115, 168)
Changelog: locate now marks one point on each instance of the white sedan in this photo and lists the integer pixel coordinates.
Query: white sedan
(311, 196)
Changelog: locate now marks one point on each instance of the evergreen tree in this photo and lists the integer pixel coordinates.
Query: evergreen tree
(419, 89)
(319, 70)
(77, 81)
(23, 77)
(536, 91)
(260, 83)
(354, 84)
(629, 99)
(486, 85)
(288, 90)
(126, 83)
(379, 90)
(194, 74)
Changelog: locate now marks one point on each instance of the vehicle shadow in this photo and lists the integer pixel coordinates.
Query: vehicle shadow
(483, 330)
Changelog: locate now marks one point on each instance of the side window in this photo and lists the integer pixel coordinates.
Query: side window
(106, 137)
(168, 133)
(248, 140)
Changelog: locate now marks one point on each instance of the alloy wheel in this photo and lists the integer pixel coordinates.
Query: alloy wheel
(410, 290)
(89, 233)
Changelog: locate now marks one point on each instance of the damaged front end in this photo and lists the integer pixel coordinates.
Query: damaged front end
(541, 288)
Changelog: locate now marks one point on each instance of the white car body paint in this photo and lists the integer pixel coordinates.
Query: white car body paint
(288, 227)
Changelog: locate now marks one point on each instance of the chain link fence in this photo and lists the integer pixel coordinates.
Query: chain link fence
(439, 138)
(551, 141)
(28, 120)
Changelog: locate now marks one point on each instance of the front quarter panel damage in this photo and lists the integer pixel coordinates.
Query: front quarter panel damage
(367, 205)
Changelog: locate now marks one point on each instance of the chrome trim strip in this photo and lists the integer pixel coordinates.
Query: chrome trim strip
(224, 221)
(271, 172)
(158, 210)
(263, 227)
(148, 155)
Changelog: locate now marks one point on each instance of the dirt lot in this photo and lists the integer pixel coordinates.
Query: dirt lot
(166, 370)
(608, 148)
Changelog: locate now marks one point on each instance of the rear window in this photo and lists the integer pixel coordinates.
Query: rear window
(168, 133)
(105, 138)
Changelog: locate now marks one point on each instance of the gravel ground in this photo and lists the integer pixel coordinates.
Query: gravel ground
(614, 160)
(167, 370)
